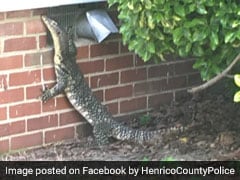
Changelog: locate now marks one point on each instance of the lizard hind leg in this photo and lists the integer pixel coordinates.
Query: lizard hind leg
(101, 133)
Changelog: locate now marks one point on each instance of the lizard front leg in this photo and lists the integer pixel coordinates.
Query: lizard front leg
(55, 90)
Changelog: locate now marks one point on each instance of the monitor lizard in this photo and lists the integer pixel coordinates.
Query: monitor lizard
(71, 81)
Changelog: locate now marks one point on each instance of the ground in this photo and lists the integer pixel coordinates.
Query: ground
(211, 132)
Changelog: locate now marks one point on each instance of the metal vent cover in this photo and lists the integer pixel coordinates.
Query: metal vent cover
(64, 15)
(86, 20)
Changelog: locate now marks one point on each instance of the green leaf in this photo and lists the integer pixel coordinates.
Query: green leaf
(151, 47)
(214, 41)
(215, 69)
(199, 35)
(201, 9)
(229, 37)
(198, 51)
(146, 56)
(137, 8)
(191, 7)
(177, 35)
(195, 22)
(145, 119)
(236, 97)
(235, 23)
(187, 34)
(188, 48)
(237, 79)
(179, 10)
(199, 64)
(184, 50)
(169, 158)
(151, 24)
(161, 56)
(148, 4)
(207, 29)
(130, 5)
(145, 159)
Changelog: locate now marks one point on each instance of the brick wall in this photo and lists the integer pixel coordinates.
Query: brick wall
(118, 77)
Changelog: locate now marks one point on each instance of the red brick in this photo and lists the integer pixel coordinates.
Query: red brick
(98, 94)
(42, 41)
(184, 67)
(32, 59)
(119, 62)
(112, 108)
(176, 82)
(63, 103)
(42, 122)
(83, 130)
(87, 80)
(149, 87)
(20, 44)
(29, 140)
(104, 80)
(11, 95)
(18, 14)
(104, 49)
(4, 146)
(50, 105)
(34, 92)
(83, 52)
(40, 11)
(35, 26)
(3, 113)
(1, 15)
(123, 48)
(70, 118)
(194, 79)
(49, 74)
(4, 82)
(59, 134)
(156, 100)
(55, 104)
(133, 105)
(24, 109)
(12, 128)
(48, 57)
(92, 66)
(162, 70)
(125, 118)
(11, 62)
(13, 28)
(140, 62)
(142, 88)
(24, 78)
(118, 92)
(133, 75)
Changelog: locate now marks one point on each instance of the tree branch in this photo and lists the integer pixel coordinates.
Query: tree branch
(229, 76)
(216, 78)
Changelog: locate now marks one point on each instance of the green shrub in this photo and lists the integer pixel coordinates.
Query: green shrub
(208, 30)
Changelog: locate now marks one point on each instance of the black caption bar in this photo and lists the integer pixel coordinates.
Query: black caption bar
(117, 170)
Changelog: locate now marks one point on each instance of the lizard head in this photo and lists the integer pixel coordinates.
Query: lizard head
(60, 39)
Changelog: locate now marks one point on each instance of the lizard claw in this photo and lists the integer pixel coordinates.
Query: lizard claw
(46, 94)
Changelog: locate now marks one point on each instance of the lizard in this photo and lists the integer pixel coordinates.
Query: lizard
(70, 80)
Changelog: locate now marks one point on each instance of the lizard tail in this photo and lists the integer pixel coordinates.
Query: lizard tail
(122, 132)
